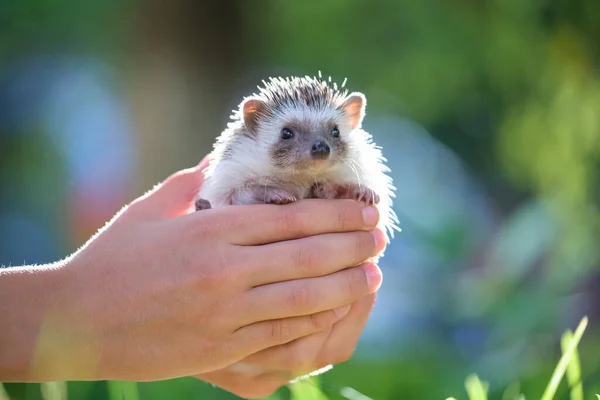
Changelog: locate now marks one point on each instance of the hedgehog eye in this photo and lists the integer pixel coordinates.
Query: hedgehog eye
(335, 132)
(286, 134)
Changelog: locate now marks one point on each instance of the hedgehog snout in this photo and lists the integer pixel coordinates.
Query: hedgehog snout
(320, 150)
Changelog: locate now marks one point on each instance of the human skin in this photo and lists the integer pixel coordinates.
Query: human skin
(161, 293)
(276, 366)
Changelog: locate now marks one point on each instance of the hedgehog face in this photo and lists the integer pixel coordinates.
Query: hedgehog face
(304, 124)
(302, 139)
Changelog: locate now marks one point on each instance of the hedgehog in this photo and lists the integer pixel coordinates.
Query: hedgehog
(299, 138)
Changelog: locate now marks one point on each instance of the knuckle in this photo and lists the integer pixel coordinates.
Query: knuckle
(280, 331)
(321, 321)
(220, 274)
(215, 279)
(202, 229)
(215, 223)
(305, 258)
(340, 217)
(289, 221)
(193, 230)
(299, 299)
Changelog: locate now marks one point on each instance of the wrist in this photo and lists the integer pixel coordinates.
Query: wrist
(40, 341)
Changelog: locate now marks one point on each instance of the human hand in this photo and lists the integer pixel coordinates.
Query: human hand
(262, 373)
(157, 294)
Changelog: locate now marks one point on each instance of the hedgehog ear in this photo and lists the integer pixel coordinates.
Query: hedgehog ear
(354, 106)
(252, 108)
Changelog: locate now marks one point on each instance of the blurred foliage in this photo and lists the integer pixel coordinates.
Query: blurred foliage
(61, 26)
(511, 86)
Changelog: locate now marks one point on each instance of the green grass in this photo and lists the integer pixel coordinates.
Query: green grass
(121, 390)
(309, 389)
(569, 363)
(3, 394)
(476, 389)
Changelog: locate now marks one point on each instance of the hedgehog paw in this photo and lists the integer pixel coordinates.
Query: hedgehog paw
(202, 204)
(279, 196)
(365, 195)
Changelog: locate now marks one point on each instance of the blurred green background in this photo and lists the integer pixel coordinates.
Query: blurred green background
(488, 111)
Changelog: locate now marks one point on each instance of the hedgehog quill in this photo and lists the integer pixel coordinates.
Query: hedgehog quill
(299, 138)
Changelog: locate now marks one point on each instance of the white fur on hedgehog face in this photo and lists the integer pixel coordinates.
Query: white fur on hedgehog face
(309, 124)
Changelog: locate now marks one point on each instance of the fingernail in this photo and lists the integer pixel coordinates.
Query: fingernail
(370, 216)
(341, 311)
(374, 277)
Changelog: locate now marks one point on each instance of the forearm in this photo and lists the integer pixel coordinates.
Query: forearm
(36, 339)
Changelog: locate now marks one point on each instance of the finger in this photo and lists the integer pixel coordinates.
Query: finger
(309, 296)
(265, 334)
(345, 333)
(174, 196)
(309, 257)
(267, 223)
(297, 357)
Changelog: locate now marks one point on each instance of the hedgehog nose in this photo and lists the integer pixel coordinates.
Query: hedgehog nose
(320, 150)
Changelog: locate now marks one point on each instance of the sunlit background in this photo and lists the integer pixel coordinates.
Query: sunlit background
(488, 112)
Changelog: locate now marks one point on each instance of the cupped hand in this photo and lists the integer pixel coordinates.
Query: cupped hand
(157, 294)
(262, 373)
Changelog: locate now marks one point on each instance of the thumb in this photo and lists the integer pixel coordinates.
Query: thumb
(176, 194)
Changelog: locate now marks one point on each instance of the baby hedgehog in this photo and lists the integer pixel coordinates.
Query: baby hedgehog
(299, 138)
